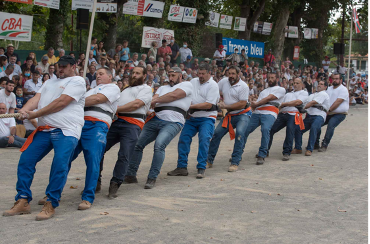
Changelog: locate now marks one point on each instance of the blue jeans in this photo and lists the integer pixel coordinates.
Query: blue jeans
(42, 144)
(162, 132)
(127, 135)
(332, 121)
(266, 122)
(18, 142)
(284, 119)
(238, 122)
(205, 127)
(92, 143)
(312, 123)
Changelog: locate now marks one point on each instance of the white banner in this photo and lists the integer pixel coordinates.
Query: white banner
(226, 21)
(102, 6)
(176, 13)
(315, 33)
(145, 8)
(307, 33)
(15, 27)
(85, 4)
(240, 23)
(48, 3)
(152, 34)
(267, 27)
(213, 20)
(292, 32)
(190, 15)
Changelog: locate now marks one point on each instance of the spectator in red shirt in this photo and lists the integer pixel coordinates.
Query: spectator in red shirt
(269, 58)
(164, 50)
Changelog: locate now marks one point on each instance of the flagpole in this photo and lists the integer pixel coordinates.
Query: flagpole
(350, 49)
(89, 38)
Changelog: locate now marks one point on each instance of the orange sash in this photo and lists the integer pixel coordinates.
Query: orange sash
(132, 121)
(30, 137)
(269, 108)
(151, 116)
(89, 118)
(227, 121)
(298, 119)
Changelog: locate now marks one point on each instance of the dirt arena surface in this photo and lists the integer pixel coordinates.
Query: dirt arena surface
(317, 199)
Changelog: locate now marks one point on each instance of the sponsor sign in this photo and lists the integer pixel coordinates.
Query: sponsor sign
(240, 23)
(145, 8)
(176, 13)
(296, 53)
(307, 33)
(190, 15)
(226, 21)
(258, 27)
(102, 6)
(48, 3)
(151, 34)
(15, 27)
(20, 1)
(291, 31)
(252, 49)
(315, 33)
(267, 27)
(213, 20)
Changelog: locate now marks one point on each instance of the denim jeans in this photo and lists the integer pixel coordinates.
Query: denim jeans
(42, 144)
(205, 128)
(162, 132)
(238, 122)
(312, 123)
(284, 119)
(92, 143)
(127, 135)
(18, 142)
(332, 121)
(266, 122)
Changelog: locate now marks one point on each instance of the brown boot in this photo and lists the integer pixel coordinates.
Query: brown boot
(296, 151)
(20, 207)
(233, 168)
(308, 153)
(46, 213)
(84, 205)
(42, 201)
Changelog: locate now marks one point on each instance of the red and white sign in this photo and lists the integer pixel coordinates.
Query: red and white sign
(296, 53)
(20, 1)
(176, 13)
(15, 27)
(145, 8)
(151, 34)
(48, 3)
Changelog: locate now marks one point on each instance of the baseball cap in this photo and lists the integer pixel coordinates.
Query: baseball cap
(221, 46)
(66, 59)
(175, 70)
(207, 59)
(10, 45)
(188, 57)
(45, 58)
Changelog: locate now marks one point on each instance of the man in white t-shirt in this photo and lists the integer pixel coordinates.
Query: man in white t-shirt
(316, 107)
(185, 52)
(32, 86)
(8, 97)
(133, 105)
(7, 131)
(203, 114)
(339, 106)
(235, 93)
(266, 109)
(8, 72)
(170, 105)
(326, 63)
(60, 109)
(290, 117)
(219, 55)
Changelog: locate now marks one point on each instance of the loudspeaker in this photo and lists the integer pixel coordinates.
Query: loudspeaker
(82, 19)
(218, 37)
(338, 48)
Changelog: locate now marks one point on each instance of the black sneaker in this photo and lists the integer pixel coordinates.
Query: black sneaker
(130, 179)
(201, 173)
(149, 183)
(178, 172)
(98, 187)
(323, 149)
(113, 188)
(268, 154)
(260, 161)
(316, 147)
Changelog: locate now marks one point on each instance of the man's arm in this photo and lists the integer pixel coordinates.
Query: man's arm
(234, 106)
(12, 134)
(26, 92)
(201, 106)
(95, 99)
(263, 101)
(336, 104)
(33, 122)
(291, 103)
(310, 104)
(169, 97)
(31, 104)
(131, 106)
(11, 110)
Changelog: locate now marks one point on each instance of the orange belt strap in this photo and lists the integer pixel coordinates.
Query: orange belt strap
(30, 137)
(270, 108)
(151, 116)
(89, 118)
(132, 121)
(227, 121)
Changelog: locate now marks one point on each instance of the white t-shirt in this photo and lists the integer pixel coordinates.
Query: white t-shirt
(233, 93)
(278, 92)
(93, 84)
(110, 91)
(219, 55)
(28, 125)
(205, 93)
(291, 96)
(342, 70)
(70, 119)
(183, 103)
(185, 52)
(31, 86)
(5, 125)
(142, 92)
(322, 98)
(10, 101)
(325, 64)
(342, 93)
(3, 74)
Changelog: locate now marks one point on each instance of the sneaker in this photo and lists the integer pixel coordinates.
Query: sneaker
(209, 165)
(98, 187)
(323, 149)
(260, 161)
(43, 200)
(201, 173)
(286, 157)
(149, 183)
(296, 151)
(316, 147)
(308, 153)
(113, 188)
(84, 205)
(130, 179)
(46, 213)
(20, 207)
(178, 172)
(233, 168)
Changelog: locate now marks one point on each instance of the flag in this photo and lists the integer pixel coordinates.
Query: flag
(356, 20)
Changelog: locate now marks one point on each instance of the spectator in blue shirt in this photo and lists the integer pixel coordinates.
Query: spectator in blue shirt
(125, 52)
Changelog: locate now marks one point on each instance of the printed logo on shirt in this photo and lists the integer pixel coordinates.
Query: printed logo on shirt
(62, 87)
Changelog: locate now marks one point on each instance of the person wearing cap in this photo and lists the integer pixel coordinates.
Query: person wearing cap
(32, 86)
(326, 64)
(269, 58)
(185, 52)
(203, 114)
(50, 54)
(44, 64)
(164, 50)
(10, 52)
(207, 60)
(60, 103)
(170, 104)
(187, 62)
(219, 55)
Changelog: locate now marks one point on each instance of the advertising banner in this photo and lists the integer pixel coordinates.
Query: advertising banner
(15, 27)
(176, 13)
(296, 53)
(292, 32)
(240, 23)
(315, 33)
(48, 3)
(20, 1)
(102, 6)
(146, 8)
(258, 27)
(213, 20)
(267, 27)
(307, 33)
(226, 21)
(252, 49)
(190, 15)
(151, 34)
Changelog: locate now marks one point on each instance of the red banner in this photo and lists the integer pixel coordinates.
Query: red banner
(21, 1)
(296, 53)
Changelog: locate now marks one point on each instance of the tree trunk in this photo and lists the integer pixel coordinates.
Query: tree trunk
(55, 26)
(278, 35)
(111, 20)
(295, 20)
(251, 16)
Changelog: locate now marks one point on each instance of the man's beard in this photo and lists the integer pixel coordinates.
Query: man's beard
(173, 83)
(336, 84)
(272, 84)
(9, 90)
(233, 81)
(136, 82)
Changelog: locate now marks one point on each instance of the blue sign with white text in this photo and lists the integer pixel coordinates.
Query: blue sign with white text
(252, 49)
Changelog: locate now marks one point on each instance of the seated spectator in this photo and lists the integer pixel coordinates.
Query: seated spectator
(187, 63)
(115, 51)
(194, 74)
(112, 66)
(50, 54)
(3, 82)
(32, 86)
(7, 131)
(7, 96)
(45, 77)
(61, 54)
(8, 72)
(17, 68)
(92, 73)
(44, 65)
(17, 80)
(91, 57)
(52, 71)
(10, 52)
(3, 63)
(195, 65)
(28, 64)
(151, 60)
(20, 101)
(102, 63)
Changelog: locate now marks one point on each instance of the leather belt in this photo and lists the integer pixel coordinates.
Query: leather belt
(97, 109)
(137, 116)
(172, 108)
(213, 108)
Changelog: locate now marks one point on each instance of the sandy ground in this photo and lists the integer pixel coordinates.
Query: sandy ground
(317, 199)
